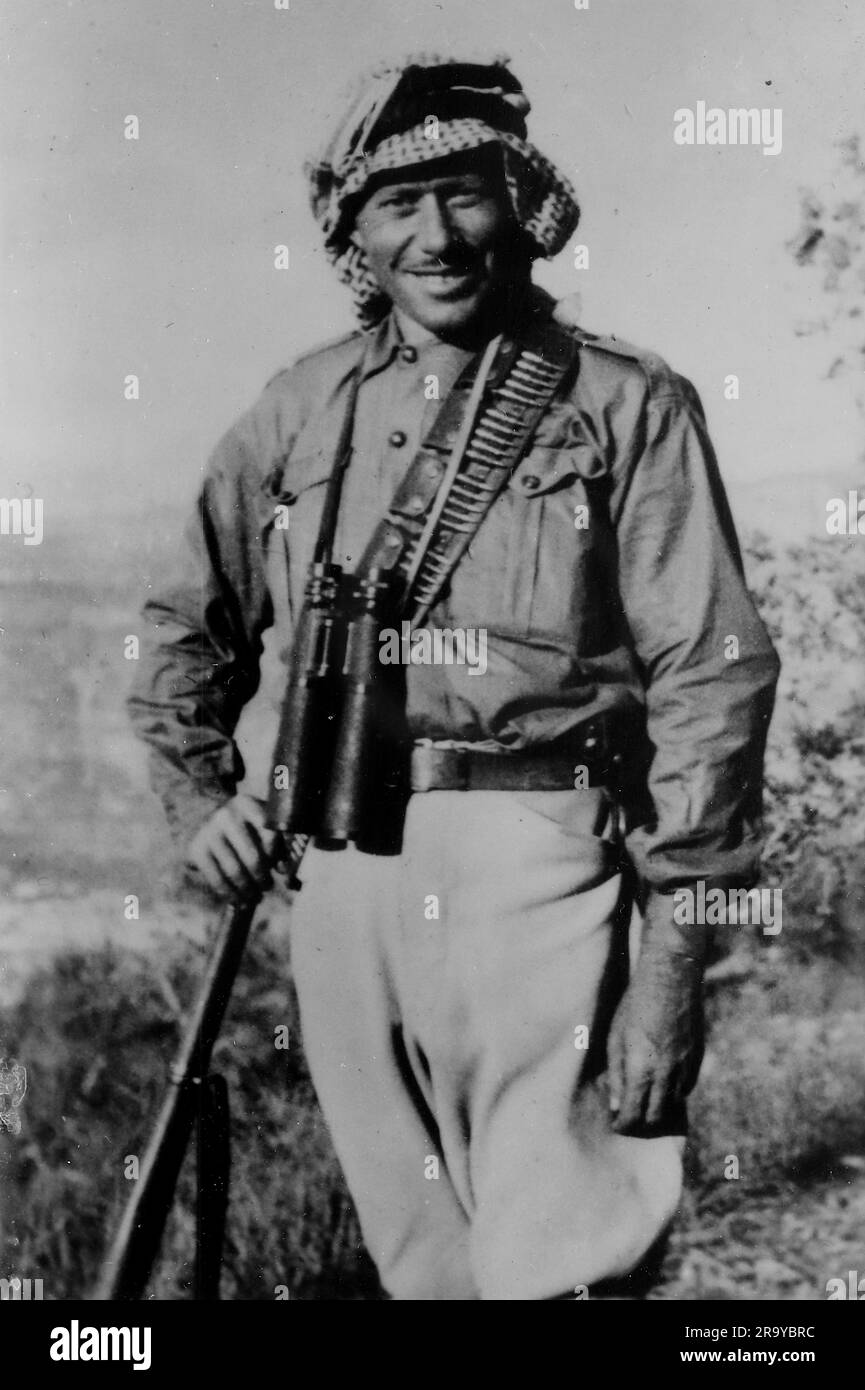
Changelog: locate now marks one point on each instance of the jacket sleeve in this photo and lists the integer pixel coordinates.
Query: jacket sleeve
(709, 669)
(200, 652)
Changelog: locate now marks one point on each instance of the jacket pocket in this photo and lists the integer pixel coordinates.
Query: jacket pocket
(298, 485)
(534, 566)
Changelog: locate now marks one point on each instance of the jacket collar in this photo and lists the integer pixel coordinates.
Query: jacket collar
(383, 344)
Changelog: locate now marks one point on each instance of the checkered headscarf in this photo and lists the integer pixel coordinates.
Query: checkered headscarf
(423, 109)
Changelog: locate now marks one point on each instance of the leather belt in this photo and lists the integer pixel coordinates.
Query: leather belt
(468, 769)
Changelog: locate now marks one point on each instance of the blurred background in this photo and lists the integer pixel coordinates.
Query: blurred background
(155, 257)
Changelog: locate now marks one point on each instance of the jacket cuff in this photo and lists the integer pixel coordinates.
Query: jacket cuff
(188, 813)
(674, 922)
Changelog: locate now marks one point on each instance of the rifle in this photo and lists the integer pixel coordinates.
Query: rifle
(195, 1100)
(329, 744)
(331, 747)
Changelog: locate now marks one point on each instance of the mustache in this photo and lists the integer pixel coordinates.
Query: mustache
(458, 260)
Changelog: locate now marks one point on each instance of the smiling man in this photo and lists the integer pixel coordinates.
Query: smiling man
(443, 245)
(503, 1078)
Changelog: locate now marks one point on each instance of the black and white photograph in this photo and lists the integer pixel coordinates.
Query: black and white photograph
(432, 568)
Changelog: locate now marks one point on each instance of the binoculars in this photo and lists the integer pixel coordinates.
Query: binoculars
(340, 766)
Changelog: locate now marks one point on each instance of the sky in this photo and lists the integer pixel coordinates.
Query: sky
(155, 256)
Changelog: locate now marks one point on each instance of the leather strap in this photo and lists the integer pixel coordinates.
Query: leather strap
(524, 376)
(460, 769)
(440, 768)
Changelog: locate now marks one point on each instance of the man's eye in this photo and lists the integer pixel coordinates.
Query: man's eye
(398, 200)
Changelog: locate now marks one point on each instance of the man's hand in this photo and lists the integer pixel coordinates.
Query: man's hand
(656, 1041)
(232, 851)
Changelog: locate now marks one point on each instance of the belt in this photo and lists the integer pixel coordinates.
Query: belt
(467, 769)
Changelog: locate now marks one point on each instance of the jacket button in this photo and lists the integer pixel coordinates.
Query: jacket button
(397, 439)
(531, 482)
(408, 353)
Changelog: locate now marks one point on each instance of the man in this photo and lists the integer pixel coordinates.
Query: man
(509, 1115)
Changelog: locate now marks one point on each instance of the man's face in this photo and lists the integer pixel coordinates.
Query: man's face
(440, 241)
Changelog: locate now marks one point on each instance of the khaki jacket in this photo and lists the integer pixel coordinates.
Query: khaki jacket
(607, 577)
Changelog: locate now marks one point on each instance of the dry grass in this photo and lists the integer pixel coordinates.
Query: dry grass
(783, 1088)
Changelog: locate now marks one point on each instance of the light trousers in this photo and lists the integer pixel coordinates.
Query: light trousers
(454, 1004)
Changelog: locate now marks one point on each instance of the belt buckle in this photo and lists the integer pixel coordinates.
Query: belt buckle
(421, 771)
(429, 763)
(462, 768)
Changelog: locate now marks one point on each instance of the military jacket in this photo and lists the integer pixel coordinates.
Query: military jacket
(607, 577)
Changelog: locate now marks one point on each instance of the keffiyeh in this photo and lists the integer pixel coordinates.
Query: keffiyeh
(424, 109)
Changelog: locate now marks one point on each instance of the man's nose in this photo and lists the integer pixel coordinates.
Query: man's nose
(434, 233)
